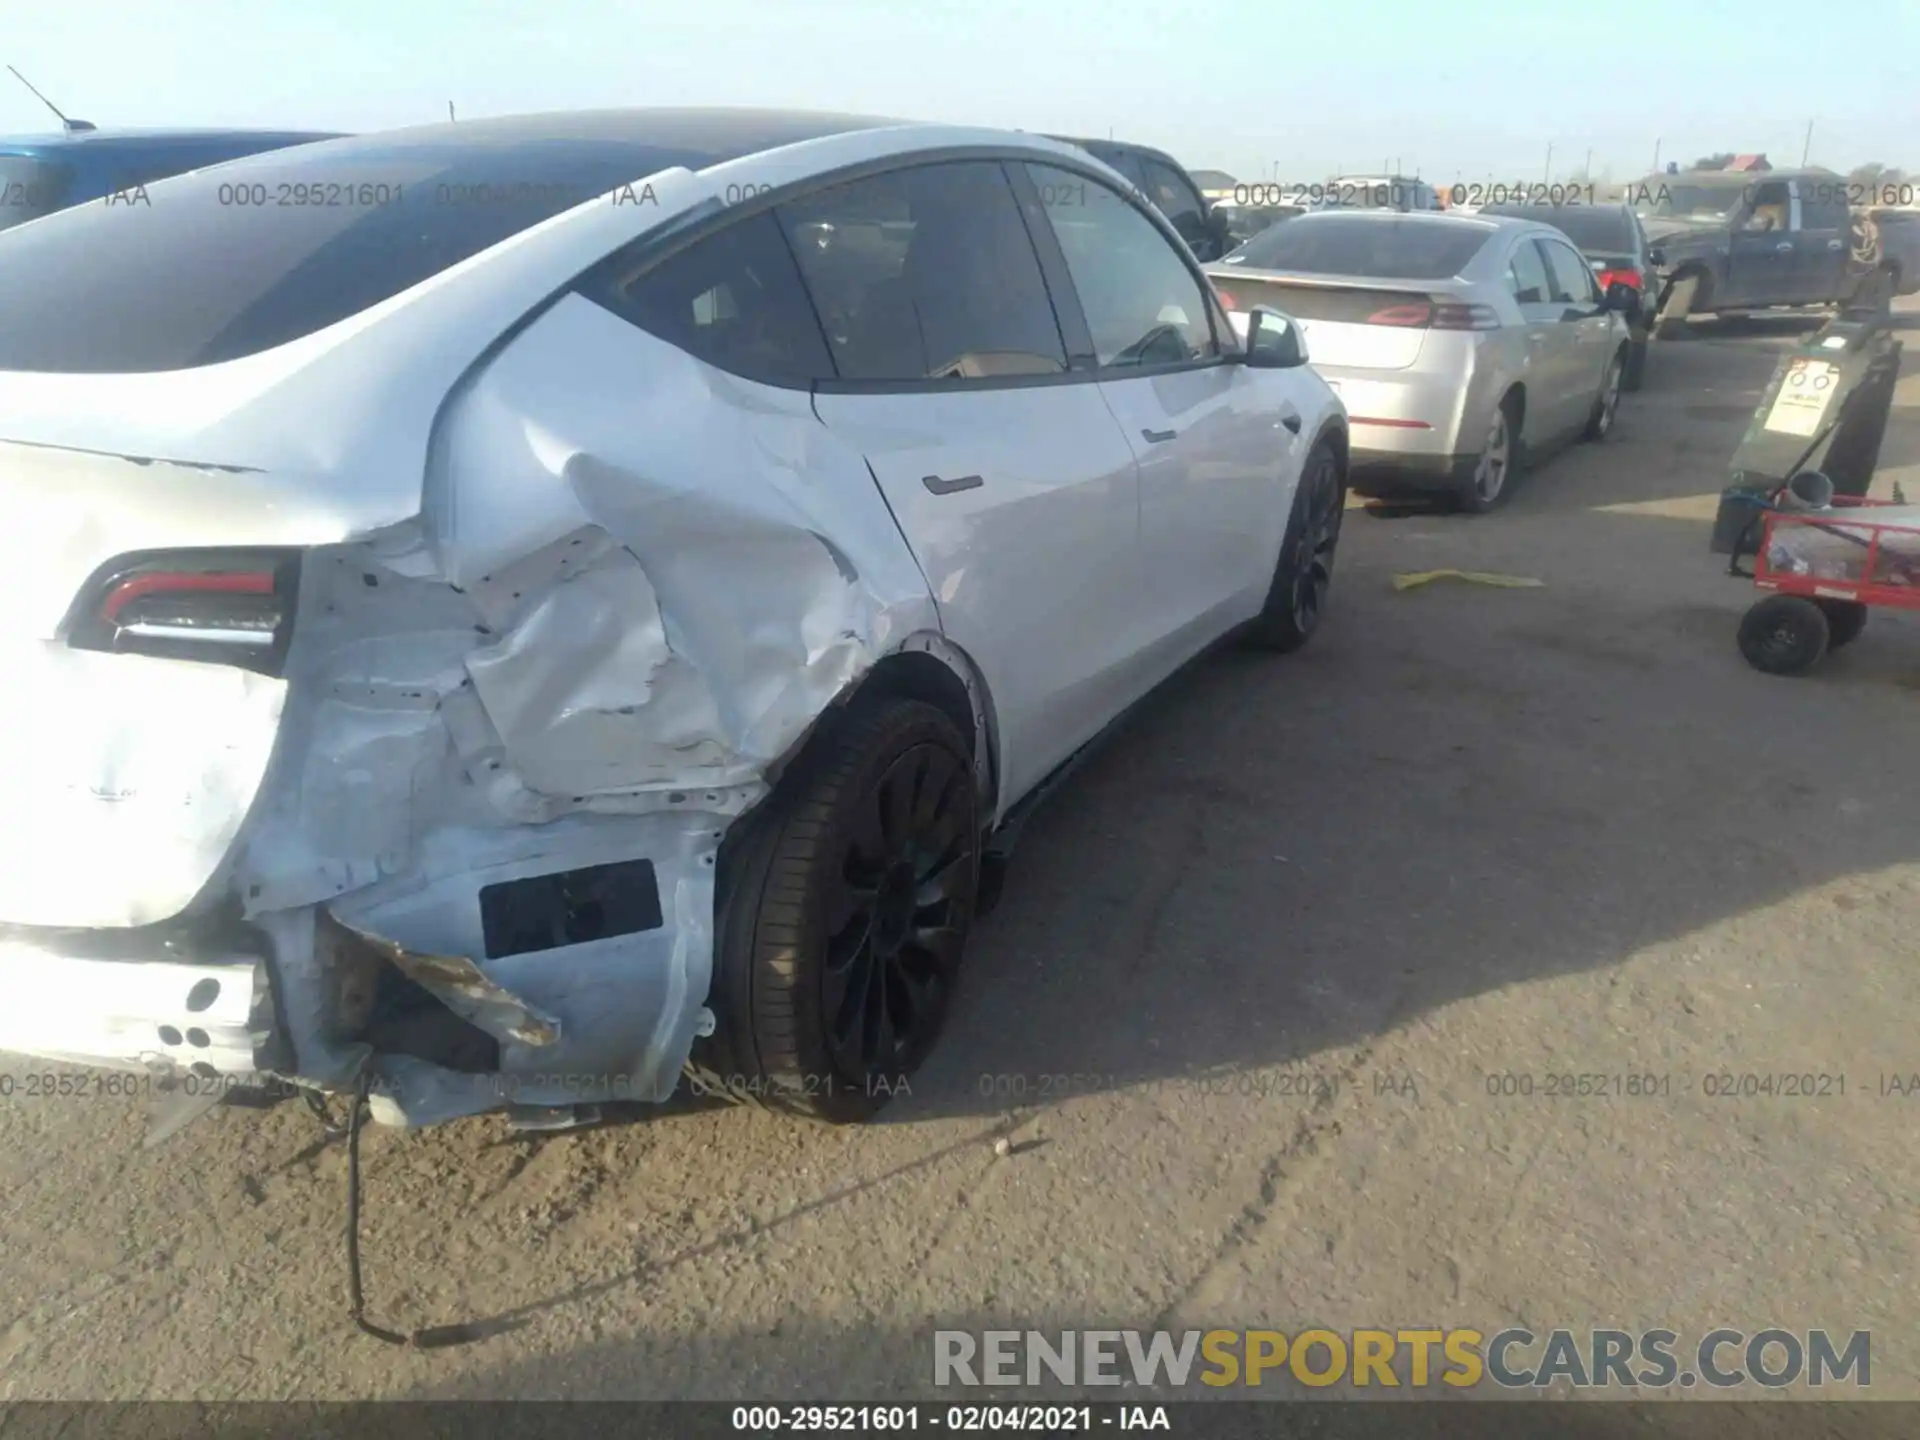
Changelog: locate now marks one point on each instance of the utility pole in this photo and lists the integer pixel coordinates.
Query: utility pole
(1587, 172)
(1807, 149)
(449, 111)
(1547, 173)
(1656, 154)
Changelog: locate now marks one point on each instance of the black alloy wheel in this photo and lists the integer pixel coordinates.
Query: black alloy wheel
(904, 878)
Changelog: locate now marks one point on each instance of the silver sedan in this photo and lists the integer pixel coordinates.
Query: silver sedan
(1459, 345)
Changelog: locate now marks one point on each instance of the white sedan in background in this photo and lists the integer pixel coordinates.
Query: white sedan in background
(1459, 344)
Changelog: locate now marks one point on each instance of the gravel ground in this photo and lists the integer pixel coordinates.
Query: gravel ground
(1236, 1018)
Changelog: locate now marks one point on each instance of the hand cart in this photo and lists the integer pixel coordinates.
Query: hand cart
(1825, 551)
(1825, 570)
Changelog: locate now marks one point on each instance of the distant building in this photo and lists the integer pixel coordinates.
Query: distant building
(1749, 163)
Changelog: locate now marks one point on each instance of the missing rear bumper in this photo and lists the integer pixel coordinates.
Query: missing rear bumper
(86, 1000)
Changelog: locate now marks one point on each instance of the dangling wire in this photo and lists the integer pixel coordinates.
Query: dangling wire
(429, 1338)
(356, 1298)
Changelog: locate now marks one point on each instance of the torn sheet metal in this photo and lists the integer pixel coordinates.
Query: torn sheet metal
(465, 989)
(595, 642)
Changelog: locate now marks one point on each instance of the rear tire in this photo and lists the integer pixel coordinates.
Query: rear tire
(1303, 572)
(1845, 620)
(841, 915)
(1600, 422)
(1489, 480)
(1784, 635)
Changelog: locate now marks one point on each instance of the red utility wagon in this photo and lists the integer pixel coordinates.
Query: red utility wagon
(1826, 568)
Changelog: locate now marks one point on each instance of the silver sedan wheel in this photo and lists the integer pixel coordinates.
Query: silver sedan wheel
(1490, 475)
(1609, 400)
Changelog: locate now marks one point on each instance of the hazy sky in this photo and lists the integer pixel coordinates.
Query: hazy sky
(1474, 89)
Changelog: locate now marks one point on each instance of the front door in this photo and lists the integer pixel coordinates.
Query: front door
(1219, 444)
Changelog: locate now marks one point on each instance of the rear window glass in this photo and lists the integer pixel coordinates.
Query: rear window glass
(29, 188)
(733, 299)
(1591, 228)
(1380, 244)
(242, 257)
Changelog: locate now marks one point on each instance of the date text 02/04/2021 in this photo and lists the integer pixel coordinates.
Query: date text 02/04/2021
(1358, 193)
(1664, 1085)
(962, 1419)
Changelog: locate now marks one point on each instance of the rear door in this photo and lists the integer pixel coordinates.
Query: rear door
(1590, 346)
(1820, 253)
(1550, 346)
(1219, 444)
(1006, 471)
(1764, 247)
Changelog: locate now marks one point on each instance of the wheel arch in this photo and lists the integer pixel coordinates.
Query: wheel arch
(928, 667)
(1333, 430)
(1517, 393)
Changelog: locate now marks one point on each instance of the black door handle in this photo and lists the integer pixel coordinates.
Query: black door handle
(949, 487)
(1156, 436)
(1292, 422)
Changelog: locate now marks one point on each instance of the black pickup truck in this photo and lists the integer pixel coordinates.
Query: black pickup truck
(1725, 242)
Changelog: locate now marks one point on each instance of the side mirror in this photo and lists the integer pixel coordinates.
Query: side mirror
(1623, 298)
(1274, 341)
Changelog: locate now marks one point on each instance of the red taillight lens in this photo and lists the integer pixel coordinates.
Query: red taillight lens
(1417, 314)
(221, 606)
(1226, 298)
(1625, 277)
(1465, 317)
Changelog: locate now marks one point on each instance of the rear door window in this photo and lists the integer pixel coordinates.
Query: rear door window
(1527, 275)
(733, 299)
(926, 274)
(1823, 205)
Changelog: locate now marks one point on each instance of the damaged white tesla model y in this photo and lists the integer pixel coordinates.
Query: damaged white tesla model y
(498, 613)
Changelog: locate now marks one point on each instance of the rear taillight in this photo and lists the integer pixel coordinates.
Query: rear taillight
(1465, 317)
(1415, 315)
(1624, 277)
(226, 607)
(1226, 298)
(1437, 315)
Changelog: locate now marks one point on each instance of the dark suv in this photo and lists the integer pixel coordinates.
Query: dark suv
(43, 173)
(1160, 178)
